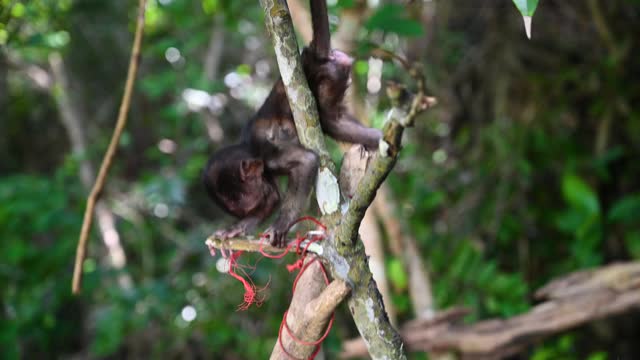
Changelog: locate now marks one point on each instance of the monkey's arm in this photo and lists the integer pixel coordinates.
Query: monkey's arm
(301, 167)
(347, 128)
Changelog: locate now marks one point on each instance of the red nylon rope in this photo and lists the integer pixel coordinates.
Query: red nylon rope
(250, 294)
(285, 325)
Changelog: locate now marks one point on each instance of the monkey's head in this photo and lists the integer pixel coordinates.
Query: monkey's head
(329, 77)
(236, 181)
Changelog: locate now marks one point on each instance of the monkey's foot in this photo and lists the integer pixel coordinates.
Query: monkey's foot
(277, 234)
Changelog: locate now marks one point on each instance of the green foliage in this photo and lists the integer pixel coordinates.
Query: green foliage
(582, 220)
(561, 349)
(496, 292)
(110, 330)
(38, 226)
(564, 348)
(580, 195)
(626, 210)
(397, 276)
(346, 4)
(393, 18)
(210, 6)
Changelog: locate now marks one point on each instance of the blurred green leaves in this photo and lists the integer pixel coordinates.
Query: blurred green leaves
(18, 10)
(496, 292)
(210, 6)
(38, 227)
(394, 18)
(626, 210)
(110, 330)
(34, 24)
(52, 40)
(582, 219)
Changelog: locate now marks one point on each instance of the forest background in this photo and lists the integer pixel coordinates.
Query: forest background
(526, 170)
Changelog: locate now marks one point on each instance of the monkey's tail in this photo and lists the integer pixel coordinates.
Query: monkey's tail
(321, 42)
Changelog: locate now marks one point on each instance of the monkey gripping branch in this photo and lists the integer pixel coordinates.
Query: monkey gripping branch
(341, 251)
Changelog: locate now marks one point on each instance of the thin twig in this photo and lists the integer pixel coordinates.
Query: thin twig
(256, 245)
(111, 150)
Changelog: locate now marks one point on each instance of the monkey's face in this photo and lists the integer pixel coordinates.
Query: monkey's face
(255, 193)
(236, 181)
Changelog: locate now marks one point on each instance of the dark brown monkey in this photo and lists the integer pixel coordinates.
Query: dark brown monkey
(241, 178)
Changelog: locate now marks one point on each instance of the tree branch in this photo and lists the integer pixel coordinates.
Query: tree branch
(301, 100)
(255, 245)
(385, 159)
(309, 314)
(73, 119)
(574, 300)
(111, 150)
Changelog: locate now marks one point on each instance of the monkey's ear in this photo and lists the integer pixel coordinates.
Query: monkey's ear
(251, 168)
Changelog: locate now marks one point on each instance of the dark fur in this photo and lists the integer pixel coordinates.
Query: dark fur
(241, 178)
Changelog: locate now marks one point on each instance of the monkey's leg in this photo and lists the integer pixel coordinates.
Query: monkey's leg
(301, 167)
(347, 128)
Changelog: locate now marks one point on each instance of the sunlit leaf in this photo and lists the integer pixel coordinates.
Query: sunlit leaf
(18, 10)
(210, 6)
(361, 67)
(243, 69)
(526, 8)
(57, 40)
(397, 275)
(579, 194)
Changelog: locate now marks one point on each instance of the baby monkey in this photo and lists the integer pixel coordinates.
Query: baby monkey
(241, 178)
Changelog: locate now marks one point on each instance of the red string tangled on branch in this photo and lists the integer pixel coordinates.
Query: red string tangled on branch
(285, 325)
(250, 291)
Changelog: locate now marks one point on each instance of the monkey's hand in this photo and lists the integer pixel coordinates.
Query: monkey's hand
(231, 232)
(241, 228)
(277, 232)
